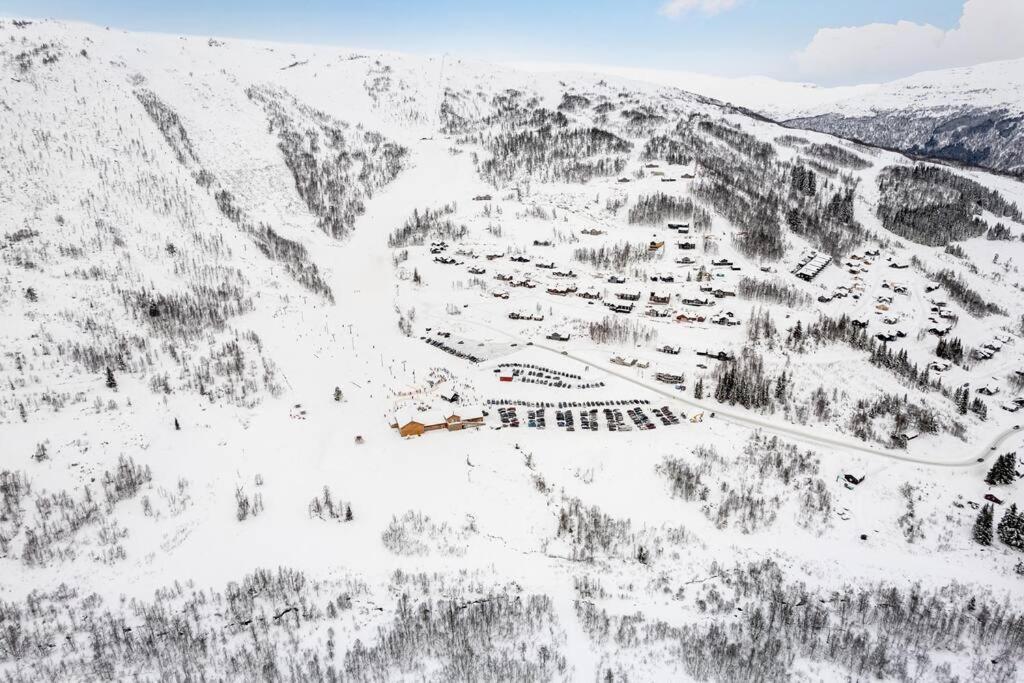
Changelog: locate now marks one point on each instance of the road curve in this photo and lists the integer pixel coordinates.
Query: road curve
(786, 430)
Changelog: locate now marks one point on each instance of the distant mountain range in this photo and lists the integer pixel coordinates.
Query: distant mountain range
(972, 115)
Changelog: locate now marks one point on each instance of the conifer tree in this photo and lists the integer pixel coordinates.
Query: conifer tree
(1011, 528)
(111, 381)
(983, 525)
(1004, 470)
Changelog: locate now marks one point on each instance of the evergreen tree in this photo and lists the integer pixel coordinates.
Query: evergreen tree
(964, 395)
(111, 382)
(177, 425)
(348, 513)
(1004, 471)
(983, 525)
(698, 389)
(1011, 528)
(338, 396)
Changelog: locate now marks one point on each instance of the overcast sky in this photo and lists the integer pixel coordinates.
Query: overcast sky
(829, 42)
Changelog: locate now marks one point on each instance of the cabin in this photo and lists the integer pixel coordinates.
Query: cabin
(591, 296)
(482, 198)
(989, 389)
(546, 266)
(503, 278)
(717, 355)
(671, 350)
(627, 296)
(655, 246)
(686, 318)
(558, 336)
(616, 280)
(721, 262)
(678, 226)
(688, 246)
(620, 308)
(559, 273)
(542, 243)
(658, 313)
(593, 231)
(811, 267)
(520, 259)
(669, 378)
(410, 422)
(722, 293)
(660, 299)
(698, 302)
(477, 271)
(685, 261)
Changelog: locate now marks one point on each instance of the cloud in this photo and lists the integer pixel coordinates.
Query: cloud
(988, 30)
(677, 8)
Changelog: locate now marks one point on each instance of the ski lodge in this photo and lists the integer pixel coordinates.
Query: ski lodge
(410, 422)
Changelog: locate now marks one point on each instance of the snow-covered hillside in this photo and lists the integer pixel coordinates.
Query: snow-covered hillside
(327, 364)
(973, 115)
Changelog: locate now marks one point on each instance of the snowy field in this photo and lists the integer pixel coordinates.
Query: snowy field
(229, 270)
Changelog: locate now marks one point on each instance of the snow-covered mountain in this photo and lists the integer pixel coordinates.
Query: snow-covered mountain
(973, 115)
(320, 364)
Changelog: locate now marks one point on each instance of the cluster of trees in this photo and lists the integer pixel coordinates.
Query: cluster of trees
(414, 533)
(905, 416)
(326, 507)
(774, 291)
(951, 349)
(548, 153)
(822, 214)
(933, 206)
(652, 209)
(428, 224)
(970, 299)
(837, 155)
(755, 623)
(616, 256)
(1003, 471)
(739, 492)
(291, 254)
(335, 167)
(620, 330)
(965, 403)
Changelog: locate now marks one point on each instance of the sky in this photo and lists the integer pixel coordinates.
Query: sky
(828, 42)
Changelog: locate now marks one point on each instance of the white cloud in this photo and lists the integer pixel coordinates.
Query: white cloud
(988, 30)
(676, 8)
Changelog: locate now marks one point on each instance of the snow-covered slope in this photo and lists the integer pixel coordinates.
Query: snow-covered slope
(973, 114)
(650, 448)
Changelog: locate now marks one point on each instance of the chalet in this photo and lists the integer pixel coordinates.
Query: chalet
(558, 336)
(724, 356)
(569, 273)
(722, 293)
(623, 180)
(592, 231)
(590, 295)
(671, 350)
(666, 277)
(687, 318)
(525, 283)
(542, 243)
(499, 295)
(899, 265)
(657, 313)
(659, 299)
(655, 246)
(725, 320)
(446, 261)
(667, 180)
(546, 266)
(810, 268)
(650, 165)
(520, 259)
(627, 296)
(560, 292)
(685, 261)
(721, 262)
(491, 257)
(989, 389)
(477, 271)
(939, 330)
(482, 198)
(678, 226)
(503, 278)
(907, 436)
(931, 287)
(939, 365)
(688, 246)
(698, 302)
(885, 337)
(982, 354)
(416, 423)
(669, 378)
(616, 279)
(824, 299)
(620, 308)
(872, 252)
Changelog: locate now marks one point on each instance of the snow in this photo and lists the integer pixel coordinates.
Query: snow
(79, 145)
